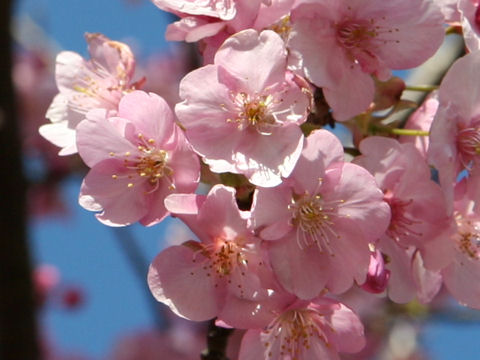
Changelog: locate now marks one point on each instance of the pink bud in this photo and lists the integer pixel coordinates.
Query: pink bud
(377, 277)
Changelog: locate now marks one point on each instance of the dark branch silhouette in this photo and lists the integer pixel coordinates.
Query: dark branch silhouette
(18, 340)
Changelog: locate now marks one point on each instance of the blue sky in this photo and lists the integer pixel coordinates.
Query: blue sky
(66, 21)
(87, 252)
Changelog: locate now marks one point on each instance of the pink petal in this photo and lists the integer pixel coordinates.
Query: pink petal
(182, 284)
(150, 114)
(270, 213)
(265, 161)
(100, 140)
(266, 50)
(301, 272)
(60, 135)
(121, 203)
(349, 331)
(252, 347)
(321, 150)
(188, 204)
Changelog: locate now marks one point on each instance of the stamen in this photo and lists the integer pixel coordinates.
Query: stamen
(149, 163)
(312, 217)
(400, 223)
(255, 112)
(294, 332)
(468, 145)
(223, 258)
(468, 239)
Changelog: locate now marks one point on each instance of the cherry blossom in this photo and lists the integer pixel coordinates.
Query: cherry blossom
(137, 158)
(455, 132)
(225, 266)
(419, 218)
(397, 221)
(213, 23)
(319, 329)
(462, 276)
(409, 278)
(222, 9)
(242, 118)
(87, 84)
(470, 20)
(343, 43)
(321, 220)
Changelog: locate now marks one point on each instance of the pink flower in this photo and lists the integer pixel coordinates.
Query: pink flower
(455, 133)
(242, 118)
(137, 158)
(416, 202)
(344, 42)
(221, 9)
(222, 270)
(322, 219)
(409, 278)
(462, 276)
(213, 23)
(305, 331)
(87, 84)
(470, 20)
(419, 213)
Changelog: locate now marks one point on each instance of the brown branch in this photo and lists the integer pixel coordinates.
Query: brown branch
(18, 339)
(217, 340)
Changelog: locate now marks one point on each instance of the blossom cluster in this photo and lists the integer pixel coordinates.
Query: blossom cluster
(291, 221)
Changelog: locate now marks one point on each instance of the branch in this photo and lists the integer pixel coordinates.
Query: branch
(217, 340)
(18, 337)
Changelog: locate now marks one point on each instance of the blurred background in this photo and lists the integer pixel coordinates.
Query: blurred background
(91, 297)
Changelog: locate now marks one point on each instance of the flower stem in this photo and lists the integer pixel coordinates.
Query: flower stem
(380, 128)
(409, 132)
(425, 88)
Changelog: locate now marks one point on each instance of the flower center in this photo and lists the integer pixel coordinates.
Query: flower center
(356, 34)
(400, 222)
(150, 163)
(361, 38)
(292, 333)
(253, 112)
(468, 240)
(313, 220)
(282, 27)
(153, 165)
(222, 258)
(226, 257)
(468, 144)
